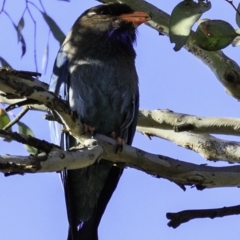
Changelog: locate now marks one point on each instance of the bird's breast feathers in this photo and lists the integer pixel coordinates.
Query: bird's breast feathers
(102, 92)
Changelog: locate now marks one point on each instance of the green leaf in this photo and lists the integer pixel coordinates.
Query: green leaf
(183, 16)
(20, 36)
(45, 57)
(19, 29)
(55, 29)
(237, 16)
(25, 130)
(213, 35)
(4, 118)
(4, 63)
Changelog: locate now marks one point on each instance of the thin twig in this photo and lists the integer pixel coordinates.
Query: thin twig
(176, 219)
(40, 145)
(8, 17)
(3, 5)
(35, 36)
(17, 118)
(40, 1)
(231, 3)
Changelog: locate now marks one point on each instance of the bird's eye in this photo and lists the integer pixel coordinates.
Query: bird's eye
(105, 11)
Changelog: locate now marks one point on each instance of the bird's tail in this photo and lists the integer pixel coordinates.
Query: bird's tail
(88, 230)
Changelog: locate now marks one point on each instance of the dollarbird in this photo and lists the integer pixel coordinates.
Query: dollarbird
(95, 73)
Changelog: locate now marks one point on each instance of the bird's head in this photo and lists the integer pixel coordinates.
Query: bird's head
(114, 20)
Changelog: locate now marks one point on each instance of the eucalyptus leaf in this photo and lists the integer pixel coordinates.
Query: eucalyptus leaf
(183, 17)
(4, 63)
(55, 29)
(25, 130)
(4, 118)
(20, 27)
(214, 35)
(237, 16)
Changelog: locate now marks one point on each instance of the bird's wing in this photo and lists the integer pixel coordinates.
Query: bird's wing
(59, 84)
(134, 113)
(80, 188)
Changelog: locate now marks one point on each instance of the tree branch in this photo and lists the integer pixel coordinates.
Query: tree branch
(175, 127)
(33, 89)
(207, 146)
(184, 216)
(41, 145)
(179, 122)
(17, 118)
(93, 150)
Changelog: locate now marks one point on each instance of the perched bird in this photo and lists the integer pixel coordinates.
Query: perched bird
(95, 72)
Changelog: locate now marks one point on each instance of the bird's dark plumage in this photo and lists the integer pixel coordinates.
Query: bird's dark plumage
(95, 72)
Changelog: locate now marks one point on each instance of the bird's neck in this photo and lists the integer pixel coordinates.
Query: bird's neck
(105, 46)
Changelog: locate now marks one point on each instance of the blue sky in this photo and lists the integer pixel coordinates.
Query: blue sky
(32, 206)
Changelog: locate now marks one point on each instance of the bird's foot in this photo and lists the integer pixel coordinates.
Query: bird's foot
(120, 143)
(89, 129)
(113, 135)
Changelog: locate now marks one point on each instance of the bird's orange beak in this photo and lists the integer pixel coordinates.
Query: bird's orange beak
(136, 17)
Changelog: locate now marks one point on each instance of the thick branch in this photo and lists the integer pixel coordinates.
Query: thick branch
(32, 89)
(174, 170)
(184, 130)
(207, 146)
(179, 122)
